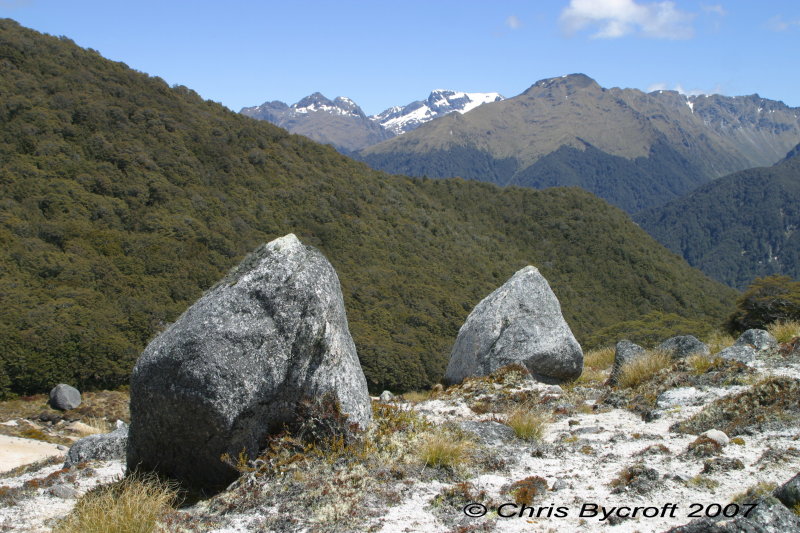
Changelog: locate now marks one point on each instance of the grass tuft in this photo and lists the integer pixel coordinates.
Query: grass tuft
(718, 341)
(528, 423)
(785, 330)
(642, 369)
(443, 450)
(599, 358)
(131, 505)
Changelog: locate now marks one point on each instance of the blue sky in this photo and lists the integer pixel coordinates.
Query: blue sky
(382, 53)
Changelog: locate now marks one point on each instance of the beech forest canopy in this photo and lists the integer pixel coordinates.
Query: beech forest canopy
(123, 199)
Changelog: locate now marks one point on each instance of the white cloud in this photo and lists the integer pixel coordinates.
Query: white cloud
(513, 22)
(617, 18)
(777, 23)
(661, 86)
(716, 9)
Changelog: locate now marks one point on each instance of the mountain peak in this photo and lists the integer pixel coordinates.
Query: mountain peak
(569, 83)
(440, 102)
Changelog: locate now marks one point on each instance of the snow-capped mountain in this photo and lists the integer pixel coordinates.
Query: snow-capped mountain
(399, 119)
(339, 122)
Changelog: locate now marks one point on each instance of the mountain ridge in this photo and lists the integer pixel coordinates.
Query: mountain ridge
(713, 135)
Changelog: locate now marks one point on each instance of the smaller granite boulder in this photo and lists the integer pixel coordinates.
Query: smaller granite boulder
(789, 492)
(739, 352)
(386, 396)
(683, 346)
(519, 323)
(625, 352)
(757, 338)
(489, 433)
(99, 447)
(64, 397)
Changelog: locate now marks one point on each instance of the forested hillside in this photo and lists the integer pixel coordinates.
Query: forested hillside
(738, 227)
(123, 199)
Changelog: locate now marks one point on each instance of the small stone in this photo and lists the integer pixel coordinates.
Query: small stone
(489, 433)
(739, 352)
(386, 396)
(717, 436)
(684, 346)
(681, 397)
(64, 397)
(560, 484)
(722, 464)
(624, 353)
(65, 492)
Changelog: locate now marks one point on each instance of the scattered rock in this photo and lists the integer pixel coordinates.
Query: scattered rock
(386, 396)
(683, 346)
(489, 433)
(234, 368)
(789, 492)
(759, 339)
(99, 447)
(722, 464)
(682, 397)
(65, 492)
(64, 397)
(520, 322)
(768, 516)
(739, 352)
(717, 436)
(624, 353)
(638, 478)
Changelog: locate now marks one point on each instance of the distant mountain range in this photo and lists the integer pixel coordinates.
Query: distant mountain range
(341, 122)
(637, 150)
(737, 227)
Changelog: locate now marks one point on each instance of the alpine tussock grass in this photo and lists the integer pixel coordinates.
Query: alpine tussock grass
(131, 505)
(642, 369)
(528, 423)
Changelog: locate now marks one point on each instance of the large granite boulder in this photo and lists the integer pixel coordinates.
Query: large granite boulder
(258, 348)
(624, 353)
(64, 397)
(521, 323)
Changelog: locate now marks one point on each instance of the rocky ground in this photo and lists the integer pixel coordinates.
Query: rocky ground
(431, 458)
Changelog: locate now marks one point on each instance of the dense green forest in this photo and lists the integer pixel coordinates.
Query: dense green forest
(123, 199)
(738, 227)
(632, 185)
